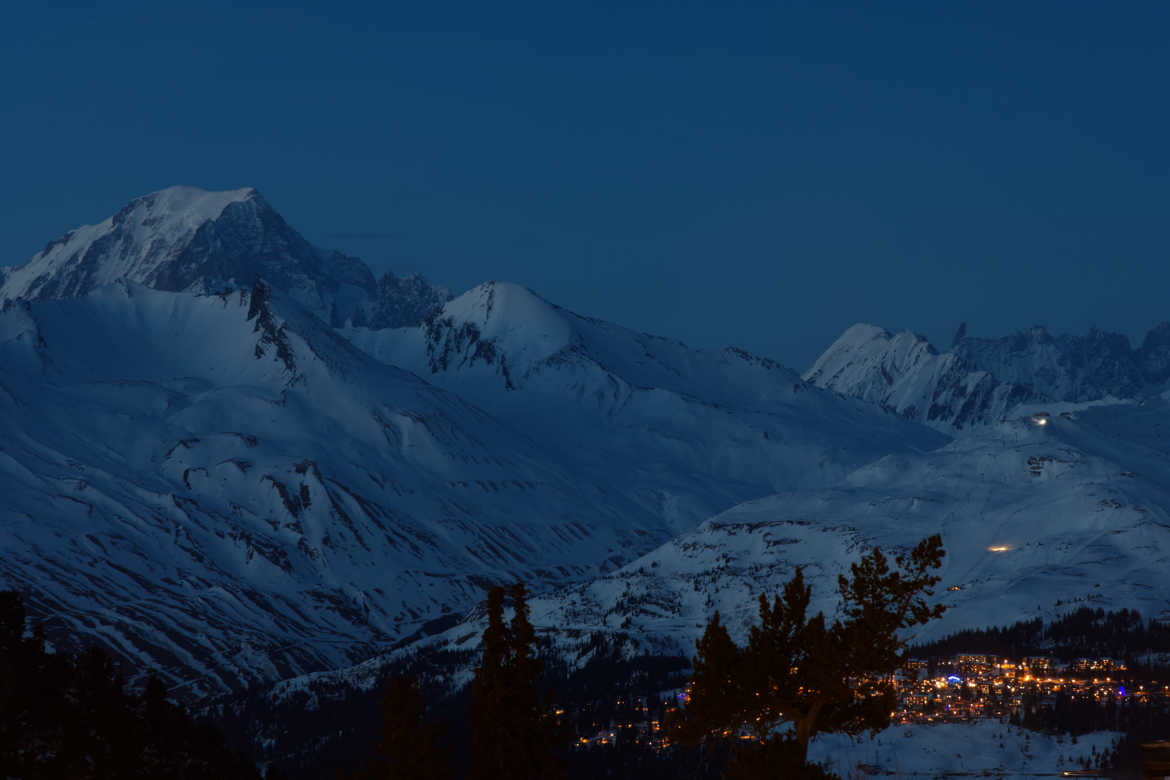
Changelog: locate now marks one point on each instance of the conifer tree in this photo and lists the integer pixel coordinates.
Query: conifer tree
(511, 737)
(409, 747)
(818, 676)
(715, 694)
(486, 709)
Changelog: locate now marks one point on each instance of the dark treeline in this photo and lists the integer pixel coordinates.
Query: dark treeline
(71, 716)
(334, 737)
(1065, 714)
(310, 736)
(1138, 721)
(1084, 633)
(608, 691)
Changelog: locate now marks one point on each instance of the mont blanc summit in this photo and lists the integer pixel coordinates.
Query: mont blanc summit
(183, 239)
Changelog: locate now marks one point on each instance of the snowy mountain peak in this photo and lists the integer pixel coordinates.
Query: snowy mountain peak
(186, 238)
(859, 334)
(864, 352)
(514, 318)
(191, 205)
(170, 240)
(905, 374)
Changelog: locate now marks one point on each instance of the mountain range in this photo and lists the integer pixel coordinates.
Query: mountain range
(243, 460)
(235, 457)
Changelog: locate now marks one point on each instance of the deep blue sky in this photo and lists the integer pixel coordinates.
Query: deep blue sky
(759, 174)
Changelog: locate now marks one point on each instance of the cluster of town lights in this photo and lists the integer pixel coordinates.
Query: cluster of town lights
(962, 688)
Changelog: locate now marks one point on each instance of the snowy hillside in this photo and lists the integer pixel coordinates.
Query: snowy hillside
(184, 238)
(1081, 507)
(223, 486)
(688, 432)
(981, 381)
(984, 749)
(1036, 521)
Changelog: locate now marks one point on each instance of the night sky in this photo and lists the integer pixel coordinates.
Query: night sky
(757, 174)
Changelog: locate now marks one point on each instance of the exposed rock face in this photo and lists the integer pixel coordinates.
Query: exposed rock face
(1155, 354)
(404, 300)
(1065, 368)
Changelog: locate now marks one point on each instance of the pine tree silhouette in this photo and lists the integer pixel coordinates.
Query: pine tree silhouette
(511, 736)
(488, 749)
(409, 747)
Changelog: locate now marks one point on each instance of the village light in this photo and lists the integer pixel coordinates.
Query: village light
(998, 548)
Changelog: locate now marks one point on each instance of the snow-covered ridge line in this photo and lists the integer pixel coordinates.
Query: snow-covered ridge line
(979, 381)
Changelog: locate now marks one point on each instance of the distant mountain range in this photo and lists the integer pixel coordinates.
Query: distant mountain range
(978, 381)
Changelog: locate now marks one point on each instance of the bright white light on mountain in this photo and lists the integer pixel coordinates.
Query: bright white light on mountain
(998, 548)
(1042, 421)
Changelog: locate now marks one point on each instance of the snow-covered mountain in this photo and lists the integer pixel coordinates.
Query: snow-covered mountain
(240, 458)
(1036, 521)
(1080, 508)
(685, 431)
(906, 375)
(222, 485)
(979, 381)
(184, 238)
(212, 478)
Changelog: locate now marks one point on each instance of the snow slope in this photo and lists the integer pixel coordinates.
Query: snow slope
(223, 486)
(688, 432)
(982, 749)
(1081, 507)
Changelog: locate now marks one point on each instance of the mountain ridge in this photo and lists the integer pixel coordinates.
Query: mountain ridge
(979, 381)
